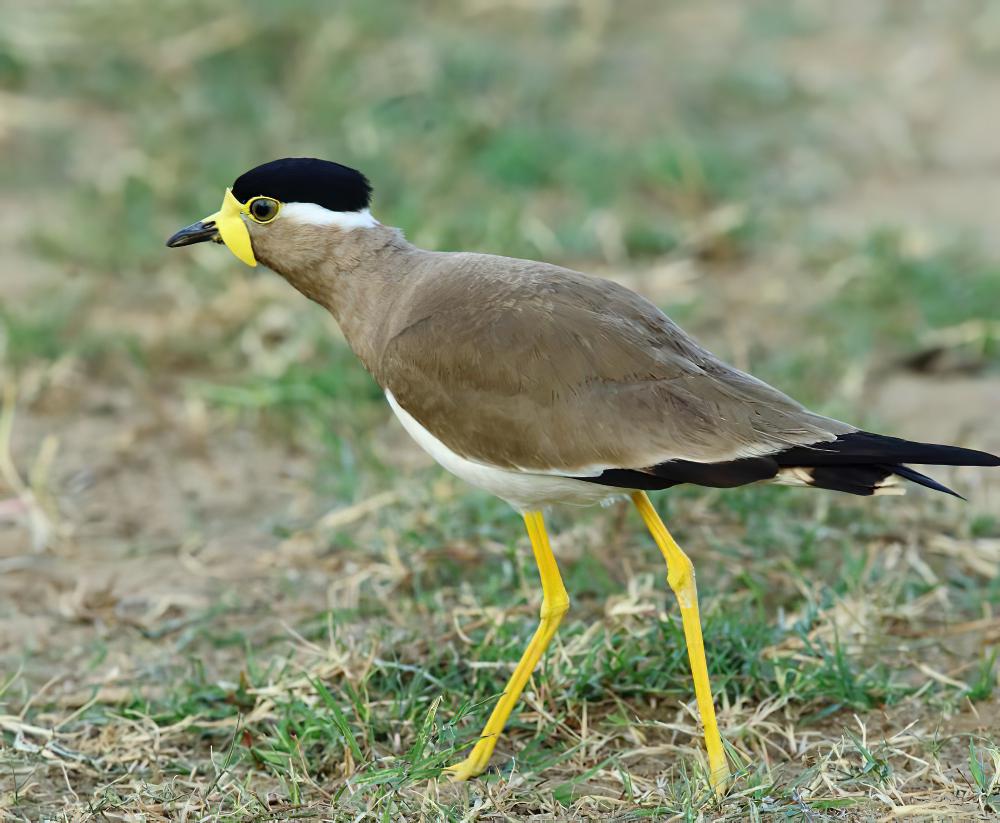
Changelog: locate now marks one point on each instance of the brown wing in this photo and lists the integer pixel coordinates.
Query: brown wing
(526, 365)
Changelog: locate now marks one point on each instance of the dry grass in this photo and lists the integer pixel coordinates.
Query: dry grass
(231, 589)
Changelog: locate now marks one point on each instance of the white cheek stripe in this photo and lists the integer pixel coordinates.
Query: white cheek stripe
(316, 215)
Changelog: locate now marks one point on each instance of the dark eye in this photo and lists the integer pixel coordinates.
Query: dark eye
(263, 209)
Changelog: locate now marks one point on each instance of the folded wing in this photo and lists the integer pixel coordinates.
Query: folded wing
(528, 366)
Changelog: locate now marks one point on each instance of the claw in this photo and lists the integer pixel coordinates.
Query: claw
(466, 770)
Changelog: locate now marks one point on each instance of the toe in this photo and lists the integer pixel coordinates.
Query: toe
(465, 770)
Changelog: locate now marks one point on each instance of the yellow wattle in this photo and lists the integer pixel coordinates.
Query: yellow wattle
(232, 229)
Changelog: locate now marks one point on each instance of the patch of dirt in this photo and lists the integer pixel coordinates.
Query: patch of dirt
(160, 516)
(949, 408)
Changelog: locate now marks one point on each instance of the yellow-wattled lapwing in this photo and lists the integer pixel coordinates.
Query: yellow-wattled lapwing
(542, 385)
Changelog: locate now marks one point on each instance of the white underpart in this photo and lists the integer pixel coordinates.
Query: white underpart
(315, 215)
(889, 486)
(525, 491)
(794, 477)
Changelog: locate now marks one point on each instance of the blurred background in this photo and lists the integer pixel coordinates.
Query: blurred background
(229, 580)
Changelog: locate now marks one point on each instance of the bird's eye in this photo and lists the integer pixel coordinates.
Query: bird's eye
(264, 209)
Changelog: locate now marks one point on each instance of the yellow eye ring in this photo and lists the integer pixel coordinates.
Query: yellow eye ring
(261, 209)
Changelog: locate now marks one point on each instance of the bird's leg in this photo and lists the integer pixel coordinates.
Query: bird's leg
(555, 602)
(680, 577)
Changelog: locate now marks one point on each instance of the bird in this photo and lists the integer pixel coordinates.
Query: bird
(543, 385)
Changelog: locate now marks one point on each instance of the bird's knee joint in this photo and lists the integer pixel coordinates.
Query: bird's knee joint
(680, 575)
(555, 607)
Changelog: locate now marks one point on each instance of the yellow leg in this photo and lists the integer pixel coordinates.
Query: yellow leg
(680, 577)
(555, 602)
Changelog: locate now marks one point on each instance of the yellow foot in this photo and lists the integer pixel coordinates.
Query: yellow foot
(719, 779)
(467, 769)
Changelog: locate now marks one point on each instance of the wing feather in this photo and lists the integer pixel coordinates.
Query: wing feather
(530, 366)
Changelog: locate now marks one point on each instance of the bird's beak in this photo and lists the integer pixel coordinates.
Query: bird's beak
(225, 226)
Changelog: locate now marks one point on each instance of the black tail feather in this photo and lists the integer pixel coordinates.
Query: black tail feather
(861, 462)
(870, 479)
(923, 480)
(865, 480)
(861, 448)
(856, 463)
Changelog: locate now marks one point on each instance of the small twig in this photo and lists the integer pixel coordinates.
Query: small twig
(343, 517)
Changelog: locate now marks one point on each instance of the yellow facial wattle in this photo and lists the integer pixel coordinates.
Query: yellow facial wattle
(233, 231)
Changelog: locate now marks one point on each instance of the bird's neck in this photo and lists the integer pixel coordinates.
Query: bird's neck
(358, 279)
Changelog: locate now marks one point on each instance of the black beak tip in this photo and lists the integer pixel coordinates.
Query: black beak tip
(195, 233)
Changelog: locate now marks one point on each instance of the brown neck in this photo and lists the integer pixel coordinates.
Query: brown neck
(355, 274)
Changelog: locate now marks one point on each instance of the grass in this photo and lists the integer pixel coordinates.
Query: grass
(235, 591)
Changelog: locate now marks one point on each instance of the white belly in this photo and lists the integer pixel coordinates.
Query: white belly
(525, 491)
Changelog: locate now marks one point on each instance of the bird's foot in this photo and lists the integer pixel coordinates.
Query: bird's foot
(477, 761)
(467, 769)
(719, 778)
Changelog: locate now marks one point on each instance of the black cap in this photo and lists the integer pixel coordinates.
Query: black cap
(306, 180)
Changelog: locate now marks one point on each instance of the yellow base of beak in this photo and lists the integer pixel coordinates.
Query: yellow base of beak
(233, 231)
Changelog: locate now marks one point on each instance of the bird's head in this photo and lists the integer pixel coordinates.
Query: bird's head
(285, 213)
